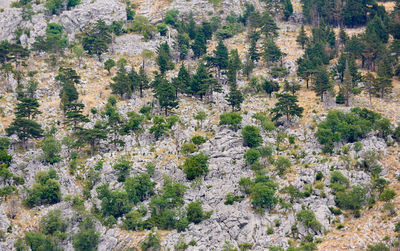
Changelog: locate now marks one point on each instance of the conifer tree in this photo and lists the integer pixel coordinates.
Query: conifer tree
(96, 40)
(109, 64)
(369, 85)
(302, 38)
(253, 51)
(91, 136)
(199, 45)
(286, 106)
(272, 53)
(165, 94)
(221, 58)
(182, 81)
(164, 60)
(322, 82)
(234, 65)
(143, 81)
(74, 114)
(234, 98)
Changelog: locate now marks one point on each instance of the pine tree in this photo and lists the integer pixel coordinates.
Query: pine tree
(369, 85)
(270, 87)
(182, 45)
(165, 94)
(23, 125)
(221, 57)
(68, 94)
(182, 81)
(143, 81)
(74, 114)
(269, 27)
(302, 38)
(347, 86)
(322, 82)
(96, 40)
(253, 50)
(235, 98)
(234, 65)
(286, 106)
(383, 83)
(203, 83)
(192, 29)
(292, 87)
(164, 60)
(91, 136)
(199, 46)
(272, 53)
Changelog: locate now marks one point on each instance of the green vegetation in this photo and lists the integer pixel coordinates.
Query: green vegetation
(196, 166)
(46, 190)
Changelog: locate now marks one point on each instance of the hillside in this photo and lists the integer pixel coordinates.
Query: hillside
(199, 125)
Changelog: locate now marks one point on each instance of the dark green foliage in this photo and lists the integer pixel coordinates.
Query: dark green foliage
(282, 164)
(220, 59)
(163, 59)
(109, 64)
(133, 221)
(171, 17)
(230, 199)
(387, 195)
(251, 156)
(287, 8)
(196, 166)
(199, 45)
(160, 127)
(203, 82)
(271, 53)
(378, 247)
(307, 217)
(46, 190)
(270, 86)
(198, 140)
(235, 98)
(133, 124)
(114, 203)
(322, 82)
(88, 238)
(123, 167)
(251, 136)
(286, 106)
(38, 241)
(139, 187)
(339, 182)
(353, 199)
(96, 40)
(152, 242)
(165, 93)
(54, 42)
(51, 149)
(91, 136)
(263, 193)
(349, 127)
(54, 225)
(302, 38)
(73, 114)
(195, 212)
(182, 44)
(162, 28)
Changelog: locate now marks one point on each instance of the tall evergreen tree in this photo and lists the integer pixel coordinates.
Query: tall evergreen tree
(143, 81)
(182, 81)
(92, 136)
(302, 38)
(322, 82)
(272, 53)
(286, 106)
(235, 97)
(165, 94)
(199, 45)
(164, 60)
(96, 40)
(74, 114)
(234, 65)
(221, 58)
(253, 50)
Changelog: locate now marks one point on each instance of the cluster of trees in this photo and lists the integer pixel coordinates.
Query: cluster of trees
(46, 190)
(351, 127)
(166, 209)
(261, 190)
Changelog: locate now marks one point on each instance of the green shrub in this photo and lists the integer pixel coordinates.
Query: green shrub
(162, 28)
(195, 212)
(319, 176)
(189, 148)
(231, 119)
(115, 203)
(265, 121)
(353, 199)
(198, 140)
(387, 195)
(54, 225)
(51, 150)
(378, 247)
(246, 184)
(339, 182)
(353, 126)
(251, 156)
(251, 136)
(87, 238)
(196, 166)
(231, 198)
(46, 190)
(39, 241)
(370, 162)
(282, 164)
(307, 217)
(151, 242)
(263, 195)
(133, 221)
(123, 167)
(265, 151)
(139, 187)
